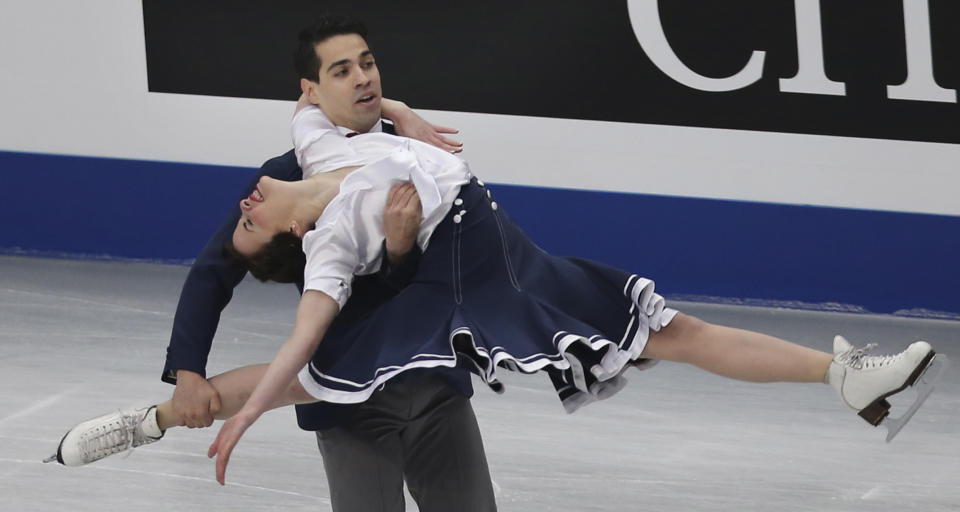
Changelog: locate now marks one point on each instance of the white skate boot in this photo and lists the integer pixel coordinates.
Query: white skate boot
(864, 382)
(112, 433)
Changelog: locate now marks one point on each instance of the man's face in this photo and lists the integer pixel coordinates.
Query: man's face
(348, 85)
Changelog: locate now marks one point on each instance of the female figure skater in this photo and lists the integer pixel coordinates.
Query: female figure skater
(484, 296)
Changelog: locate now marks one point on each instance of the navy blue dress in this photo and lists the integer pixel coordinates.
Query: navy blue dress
(484, 296)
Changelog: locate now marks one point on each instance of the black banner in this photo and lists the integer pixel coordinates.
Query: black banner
(584, 59)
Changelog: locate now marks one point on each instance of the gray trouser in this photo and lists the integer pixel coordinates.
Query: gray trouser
(419, 430)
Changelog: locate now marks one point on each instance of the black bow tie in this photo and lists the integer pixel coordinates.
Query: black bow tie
(351, 134)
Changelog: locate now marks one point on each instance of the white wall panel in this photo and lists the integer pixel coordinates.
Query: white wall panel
(75, 83)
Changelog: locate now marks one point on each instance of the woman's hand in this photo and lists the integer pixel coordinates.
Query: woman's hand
(314, 315)
(230, 433)
(409, 124)
(302, 102)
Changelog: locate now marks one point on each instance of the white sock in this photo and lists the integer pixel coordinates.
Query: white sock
(149, 424)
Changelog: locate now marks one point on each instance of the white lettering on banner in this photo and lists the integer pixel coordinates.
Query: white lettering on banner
(920, 84)
(811, 76)
(645, 18)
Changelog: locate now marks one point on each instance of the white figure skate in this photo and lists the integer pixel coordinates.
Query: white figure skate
(864, 382)
(111, 433)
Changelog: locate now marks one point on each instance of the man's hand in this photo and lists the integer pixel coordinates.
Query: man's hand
(195, 401)
(401, 220)
(409, 124)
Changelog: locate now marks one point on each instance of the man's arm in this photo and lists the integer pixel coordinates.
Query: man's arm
(206, 291)
(401, 223)
(212, 278)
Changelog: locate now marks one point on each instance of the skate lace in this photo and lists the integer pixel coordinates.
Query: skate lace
(115, 437)
(857, 358)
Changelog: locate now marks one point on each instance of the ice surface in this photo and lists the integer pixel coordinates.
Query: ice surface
(78, 339)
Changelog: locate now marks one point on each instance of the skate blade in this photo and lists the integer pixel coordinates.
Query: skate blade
(924, 386)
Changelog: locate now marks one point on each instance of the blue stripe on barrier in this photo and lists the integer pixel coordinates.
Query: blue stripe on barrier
(878, 261)
(881, 261)
(114, 208)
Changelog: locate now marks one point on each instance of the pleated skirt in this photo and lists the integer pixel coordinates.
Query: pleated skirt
(486, 298)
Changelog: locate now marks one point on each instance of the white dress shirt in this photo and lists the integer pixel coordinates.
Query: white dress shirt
(349, 234)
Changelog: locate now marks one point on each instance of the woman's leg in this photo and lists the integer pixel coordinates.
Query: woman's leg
(234, 388)
(119, 431)
(863, 382)
(736, 353)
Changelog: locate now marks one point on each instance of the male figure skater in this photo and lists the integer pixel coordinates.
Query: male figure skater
(422, 429)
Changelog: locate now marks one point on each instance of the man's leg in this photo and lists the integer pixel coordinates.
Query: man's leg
(363, 470)
(418, 429)
(444, 462)
(363, 458)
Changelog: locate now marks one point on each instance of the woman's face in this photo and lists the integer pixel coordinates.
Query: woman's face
(267, 211)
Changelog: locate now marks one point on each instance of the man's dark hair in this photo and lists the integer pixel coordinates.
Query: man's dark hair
(280, 260)
(325, 27)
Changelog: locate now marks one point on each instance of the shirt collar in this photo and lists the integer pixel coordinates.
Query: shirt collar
(377, 128)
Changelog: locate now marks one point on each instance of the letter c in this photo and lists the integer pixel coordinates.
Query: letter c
(645, 18)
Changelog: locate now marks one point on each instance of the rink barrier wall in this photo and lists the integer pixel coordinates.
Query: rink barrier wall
(703, 249)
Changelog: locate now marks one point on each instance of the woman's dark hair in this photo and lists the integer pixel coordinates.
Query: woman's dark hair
(305, 59)
(280, 260)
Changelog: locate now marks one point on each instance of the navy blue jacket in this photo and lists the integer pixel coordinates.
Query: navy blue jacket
(209, 288)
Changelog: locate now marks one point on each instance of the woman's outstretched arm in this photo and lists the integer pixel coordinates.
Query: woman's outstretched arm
(409, 124)
(314, 315)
